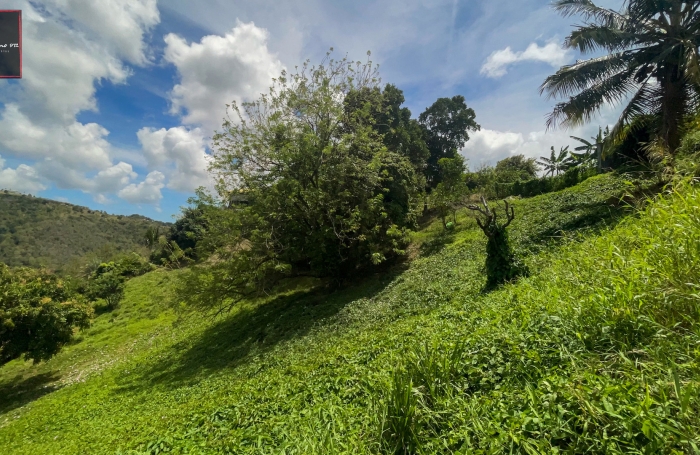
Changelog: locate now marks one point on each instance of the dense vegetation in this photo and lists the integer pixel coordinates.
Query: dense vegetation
(39, 232)
(527, 365)
(38, 314)
(353, 287)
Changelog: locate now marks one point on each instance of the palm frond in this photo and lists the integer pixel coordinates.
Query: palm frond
(581, 75)
(641, 103)
(582, 107)
(589, 10)
(692, 64)
(594, 37)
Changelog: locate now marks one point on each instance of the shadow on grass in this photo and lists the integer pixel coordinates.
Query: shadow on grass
(539, 230)
(250, 331)
(437, 244)
(18, 393)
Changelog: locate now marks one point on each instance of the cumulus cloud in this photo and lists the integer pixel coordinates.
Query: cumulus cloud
(60, 68)
(219, 69)
(106, 181)
(69, 47)
(145, 192)
(120, 24)
(77, 145)
(497, 63)
(23, 178)
(179, 152)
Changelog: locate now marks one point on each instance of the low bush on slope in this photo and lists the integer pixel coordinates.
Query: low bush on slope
(307, 372)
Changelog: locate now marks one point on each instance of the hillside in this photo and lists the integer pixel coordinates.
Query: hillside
(595, 352)
(41, 232)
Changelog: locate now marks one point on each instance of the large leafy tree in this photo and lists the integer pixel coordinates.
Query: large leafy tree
(324, 196)
(515, 168)
(391, 121)
(652, 64)
(38, 314)
(447, 123)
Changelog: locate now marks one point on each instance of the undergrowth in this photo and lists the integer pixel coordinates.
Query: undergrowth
(595, 352)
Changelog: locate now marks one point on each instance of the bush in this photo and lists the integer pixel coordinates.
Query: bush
(501, 264)
(38, 314)
(108, 280)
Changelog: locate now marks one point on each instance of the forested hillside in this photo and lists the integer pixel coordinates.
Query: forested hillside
(41, 232)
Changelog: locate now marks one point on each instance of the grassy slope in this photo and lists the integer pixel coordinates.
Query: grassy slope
(312, 373)
(36, 231)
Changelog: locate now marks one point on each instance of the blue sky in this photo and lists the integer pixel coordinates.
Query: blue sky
(120, 98)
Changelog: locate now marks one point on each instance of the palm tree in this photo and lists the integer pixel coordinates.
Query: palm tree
(555, 163)
(592, 150)
(652, 63)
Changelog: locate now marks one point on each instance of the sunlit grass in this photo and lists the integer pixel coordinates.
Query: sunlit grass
(604, 331)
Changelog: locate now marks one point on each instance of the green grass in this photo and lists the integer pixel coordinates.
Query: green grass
(596, 351)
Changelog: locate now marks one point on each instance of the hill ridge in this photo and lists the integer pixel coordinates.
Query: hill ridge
(36, 231)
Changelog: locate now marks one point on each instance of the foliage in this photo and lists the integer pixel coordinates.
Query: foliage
(515, 168)
(569, 361)
(502, 266)
(556, 163)
(178, 245)
(451, 191)
(305, 372)
(652, 65)
(447, 123)
(399, 132)
(324, 196)
(487, 182)
(106, 284)
(39, 232)
(38, 314)
(108, 280)
(594, 151)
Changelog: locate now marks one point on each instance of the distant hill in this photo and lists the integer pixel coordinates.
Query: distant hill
(41, 232)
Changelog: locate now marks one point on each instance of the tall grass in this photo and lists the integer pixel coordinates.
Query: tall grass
(597, 353)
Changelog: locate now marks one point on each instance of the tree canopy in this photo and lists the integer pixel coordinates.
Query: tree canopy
(327, 194)
(447, 122)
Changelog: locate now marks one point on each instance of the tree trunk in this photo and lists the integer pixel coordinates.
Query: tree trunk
(672, 107)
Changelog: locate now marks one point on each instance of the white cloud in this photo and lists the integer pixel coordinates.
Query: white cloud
(179, 152)
(121, 24)
(217, 70)
(106, 181)
(77, 145)
(61, 66)
(114, 178)
(23, 178)
(69, 47)
(145, 192)
(497, 63)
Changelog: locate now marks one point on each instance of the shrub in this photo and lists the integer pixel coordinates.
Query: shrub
(38, 314)
(501, 264)
(108, 280)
